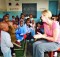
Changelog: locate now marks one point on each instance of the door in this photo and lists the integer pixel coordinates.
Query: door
(53, 7)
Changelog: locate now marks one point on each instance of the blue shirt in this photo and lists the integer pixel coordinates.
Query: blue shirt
(20, 31)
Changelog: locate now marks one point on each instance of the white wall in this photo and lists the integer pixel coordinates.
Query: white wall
(3, 5)
(42, 4)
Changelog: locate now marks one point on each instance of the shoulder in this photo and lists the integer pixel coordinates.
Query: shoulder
(55, 24)
(5, 33)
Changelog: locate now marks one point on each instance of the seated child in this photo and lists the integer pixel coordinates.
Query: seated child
(39, 28)
(20, 32)
(31, 17)
(29, 30)
(33, 24)
(39, 31)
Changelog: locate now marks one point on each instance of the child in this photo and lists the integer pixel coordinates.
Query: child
(13, 19)
(29, 30)
(33, 24)
(20, 32)
(16, 20)
(31, 17)
(11, 31)
(22, 17)
(5, 40)
(39, 28)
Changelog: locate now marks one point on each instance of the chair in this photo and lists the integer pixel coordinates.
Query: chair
(21, 52)
(51, 54)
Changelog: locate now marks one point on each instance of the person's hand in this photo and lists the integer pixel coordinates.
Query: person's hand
(38, 33)
(10, 23)
(38, 36)
(15, 26)
(21, 34)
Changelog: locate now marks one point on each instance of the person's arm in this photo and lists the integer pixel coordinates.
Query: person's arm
(12, 29)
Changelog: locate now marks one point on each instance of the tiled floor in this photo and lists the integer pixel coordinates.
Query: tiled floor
(29, 52)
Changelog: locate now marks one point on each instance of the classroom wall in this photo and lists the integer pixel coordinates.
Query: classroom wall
(53, 0)
(58, 6)
(41, 4)
(17, 10)
(2, 8)
(2, 5)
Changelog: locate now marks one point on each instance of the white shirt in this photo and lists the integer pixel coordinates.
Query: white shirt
(27, 29)
(5, 42)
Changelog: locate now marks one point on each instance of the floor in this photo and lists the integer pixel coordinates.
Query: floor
(29, 51)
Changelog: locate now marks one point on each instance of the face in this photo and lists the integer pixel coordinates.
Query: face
(31, 16)
(38, 25)
(44, 18)
(22, 16)
(33, 21)
(16, 19)
(6, 19)
(28, 23)
(4, 26)
(15, 26)
(21, 23)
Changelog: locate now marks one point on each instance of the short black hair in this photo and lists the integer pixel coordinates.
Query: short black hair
(7, 14)
(1, 19)
(27, 19)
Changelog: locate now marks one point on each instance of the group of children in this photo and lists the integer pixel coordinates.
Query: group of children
(15, 31)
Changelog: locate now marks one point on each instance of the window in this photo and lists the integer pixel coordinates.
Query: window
(30, 8)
